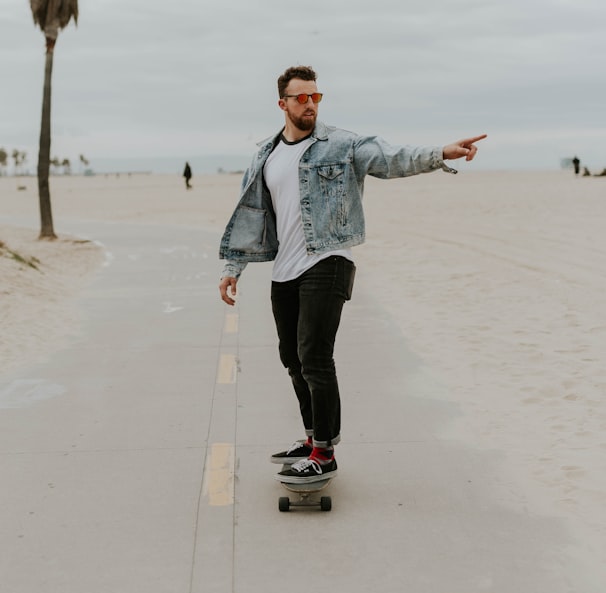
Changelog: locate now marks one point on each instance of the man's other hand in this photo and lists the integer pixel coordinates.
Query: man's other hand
(228, 290)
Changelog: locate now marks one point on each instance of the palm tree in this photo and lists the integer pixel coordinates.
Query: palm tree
(55, 163)
(50, 16)
(3, 159)
(16, 155)
(19, 158)
(84, 162)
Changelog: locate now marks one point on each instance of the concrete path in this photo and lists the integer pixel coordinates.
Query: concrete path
(136, 458)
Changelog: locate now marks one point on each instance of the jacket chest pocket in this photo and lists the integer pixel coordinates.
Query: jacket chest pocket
(331, 173)
(331, 180)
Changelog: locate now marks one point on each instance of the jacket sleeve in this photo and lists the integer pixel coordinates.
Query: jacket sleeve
(374, 156)
(233, 269)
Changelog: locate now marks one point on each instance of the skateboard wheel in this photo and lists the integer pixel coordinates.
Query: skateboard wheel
(284, 504)
(326, 503)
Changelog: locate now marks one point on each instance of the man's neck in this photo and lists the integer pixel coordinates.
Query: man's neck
(294, 134)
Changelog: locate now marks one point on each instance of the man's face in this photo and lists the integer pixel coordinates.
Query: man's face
(303, 116)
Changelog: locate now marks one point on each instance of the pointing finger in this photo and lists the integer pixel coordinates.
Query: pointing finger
(468, 141)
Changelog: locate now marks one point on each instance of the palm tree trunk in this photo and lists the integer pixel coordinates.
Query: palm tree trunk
(46, 216)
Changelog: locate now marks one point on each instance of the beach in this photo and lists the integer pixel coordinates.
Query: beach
(36, 312)
(495, 280)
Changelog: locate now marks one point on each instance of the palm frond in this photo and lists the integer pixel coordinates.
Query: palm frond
(56, 13)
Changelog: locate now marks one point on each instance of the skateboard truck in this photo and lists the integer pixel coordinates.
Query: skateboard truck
(285, 504)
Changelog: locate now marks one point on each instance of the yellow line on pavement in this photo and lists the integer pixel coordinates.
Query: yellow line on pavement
(227, 369)
(219, 475)
(231, 323)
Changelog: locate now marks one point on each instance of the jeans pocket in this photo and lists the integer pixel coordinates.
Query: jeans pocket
(349, 274)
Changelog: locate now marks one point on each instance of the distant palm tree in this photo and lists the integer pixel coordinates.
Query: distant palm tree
(84, 162)
(19, 158)
(15, 156)
(55, 163)
(3, 159)
(50, 16)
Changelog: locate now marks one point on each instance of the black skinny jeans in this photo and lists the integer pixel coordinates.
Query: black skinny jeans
(307, 311)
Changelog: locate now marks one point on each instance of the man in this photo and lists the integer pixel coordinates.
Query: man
(188, 175)
(301, 206)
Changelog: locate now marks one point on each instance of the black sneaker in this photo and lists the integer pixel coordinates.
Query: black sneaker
(307, 471)
(298, 451)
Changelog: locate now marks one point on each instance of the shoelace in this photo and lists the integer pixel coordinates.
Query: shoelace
(302, 465)
(295, 446)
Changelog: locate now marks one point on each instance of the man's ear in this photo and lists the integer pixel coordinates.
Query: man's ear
(282, 104)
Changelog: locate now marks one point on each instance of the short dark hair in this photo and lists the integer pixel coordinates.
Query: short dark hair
(302, 72)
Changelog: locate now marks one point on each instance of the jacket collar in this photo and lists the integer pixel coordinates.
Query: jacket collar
(320, 133)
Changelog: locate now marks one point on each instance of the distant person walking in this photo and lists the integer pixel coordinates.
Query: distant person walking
(576, 164)
(188, 175)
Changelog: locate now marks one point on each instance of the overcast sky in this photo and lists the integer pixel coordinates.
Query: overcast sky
(155, 78)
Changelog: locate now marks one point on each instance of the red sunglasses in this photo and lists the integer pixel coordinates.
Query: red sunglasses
(303, 97)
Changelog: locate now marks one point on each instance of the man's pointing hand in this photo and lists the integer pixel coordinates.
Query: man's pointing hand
(463, 148)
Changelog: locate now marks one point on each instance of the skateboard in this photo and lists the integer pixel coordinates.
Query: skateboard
(304, 492)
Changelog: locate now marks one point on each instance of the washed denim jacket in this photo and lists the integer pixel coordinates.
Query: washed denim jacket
(331, 182)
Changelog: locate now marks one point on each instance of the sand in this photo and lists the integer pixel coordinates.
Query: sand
(38, 282)
(496, 279)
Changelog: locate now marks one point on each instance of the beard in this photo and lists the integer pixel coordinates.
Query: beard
(303, 123)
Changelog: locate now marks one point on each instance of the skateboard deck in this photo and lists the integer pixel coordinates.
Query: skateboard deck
(304, 492)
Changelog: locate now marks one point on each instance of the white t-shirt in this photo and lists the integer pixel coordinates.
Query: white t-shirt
(281, 173)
